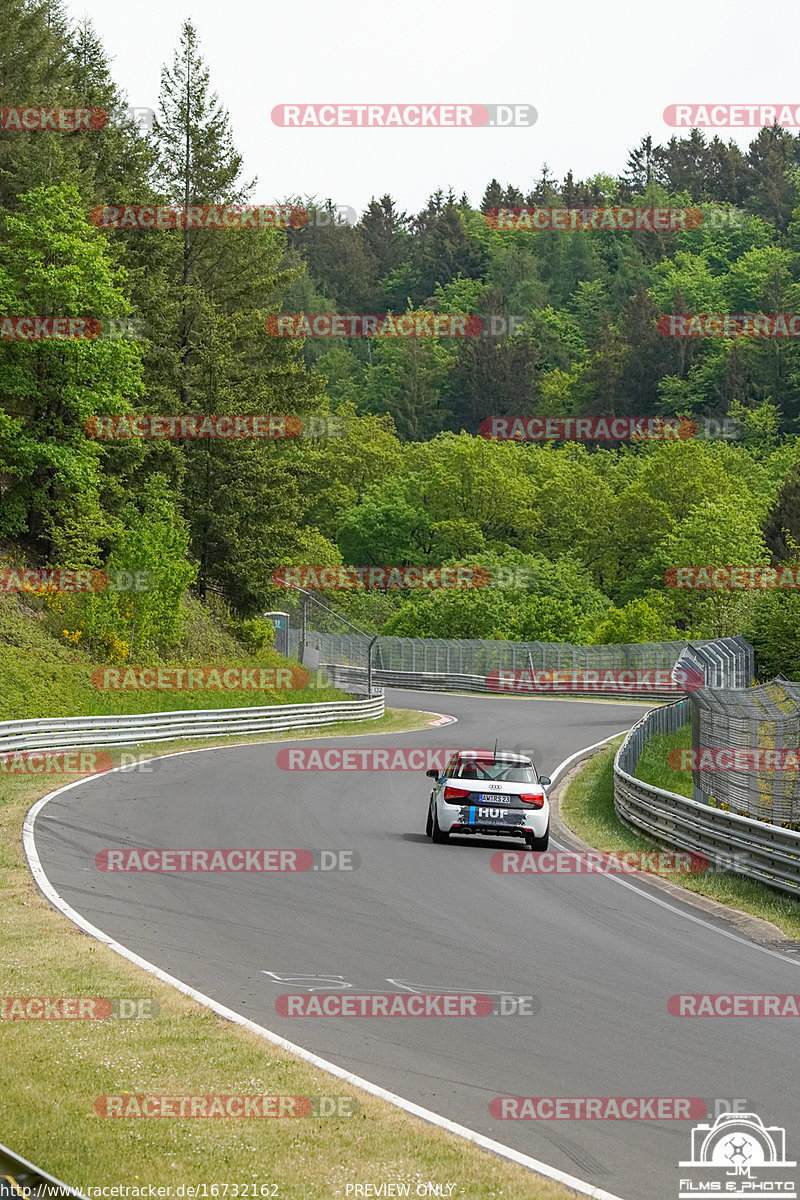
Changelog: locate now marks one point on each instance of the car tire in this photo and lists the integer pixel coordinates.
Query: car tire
(429, 822)
(438, 835)
(538, 843)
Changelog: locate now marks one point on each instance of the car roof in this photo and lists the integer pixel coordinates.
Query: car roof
(521, 760)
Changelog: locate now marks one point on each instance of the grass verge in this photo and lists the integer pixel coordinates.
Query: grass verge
(587, 808)
(53, 1071)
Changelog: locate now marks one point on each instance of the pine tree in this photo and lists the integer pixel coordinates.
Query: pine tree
(384, 231)
(492, 197)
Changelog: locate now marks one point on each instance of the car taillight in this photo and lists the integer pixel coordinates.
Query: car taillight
(535, 799)
(455, 793)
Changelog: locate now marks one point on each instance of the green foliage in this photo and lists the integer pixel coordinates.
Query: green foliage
(406, 479)
(152, 547)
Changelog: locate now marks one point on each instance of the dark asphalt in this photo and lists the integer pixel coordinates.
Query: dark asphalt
(600, 958)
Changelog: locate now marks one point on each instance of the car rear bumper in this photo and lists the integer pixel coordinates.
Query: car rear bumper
(466, 820)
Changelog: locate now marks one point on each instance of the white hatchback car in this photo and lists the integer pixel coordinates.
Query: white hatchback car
(497, 794)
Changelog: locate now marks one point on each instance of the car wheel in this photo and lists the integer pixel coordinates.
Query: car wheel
(438, 834)
(429, 822)
(538, 843)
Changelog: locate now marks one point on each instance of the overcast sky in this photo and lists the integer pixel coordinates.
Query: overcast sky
(599, 75)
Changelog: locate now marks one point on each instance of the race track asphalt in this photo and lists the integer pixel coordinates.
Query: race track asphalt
(601, 955)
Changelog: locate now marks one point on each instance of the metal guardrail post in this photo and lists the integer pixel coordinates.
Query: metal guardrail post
(302, 646)
(369, 665)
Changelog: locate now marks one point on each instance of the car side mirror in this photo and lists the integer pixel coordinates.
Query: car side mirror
(432, 774)
(545, 780)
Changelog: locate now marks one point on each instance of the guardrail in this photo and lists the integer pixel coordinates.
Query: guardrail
(742, 845)
(348, 676)
(69, 732)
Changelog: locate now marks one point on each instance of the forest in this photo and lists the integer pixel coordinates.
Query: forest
(385, 457)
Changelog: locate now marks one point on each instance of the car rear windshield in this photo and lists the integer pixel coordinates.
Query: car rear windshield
(500, 772)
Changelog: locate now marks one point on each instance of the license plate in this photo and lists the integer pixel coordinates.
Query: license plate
(486, 798)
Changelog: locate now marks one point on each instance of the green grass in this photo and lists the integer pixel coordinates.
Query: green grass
(41, 676)
(587, 808)
(653, 765)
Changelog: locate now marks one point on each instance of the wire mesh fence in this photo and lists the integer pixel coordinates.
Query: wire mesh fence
(321, 638)
(764, 723)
